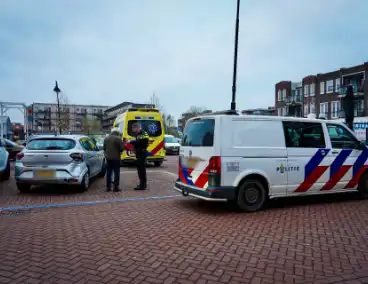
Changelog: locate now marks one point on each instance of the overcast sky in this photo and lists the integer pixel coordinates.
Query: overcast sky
(107, 52)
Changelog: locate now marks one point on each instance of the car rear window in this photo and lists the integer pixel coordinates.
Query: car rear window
(199, 133)
(51, 144)
(152, 127)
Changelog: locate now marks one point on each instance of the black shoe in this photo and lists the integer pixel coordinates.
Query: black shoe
(108, 189)
(141, 187)
(116, 189)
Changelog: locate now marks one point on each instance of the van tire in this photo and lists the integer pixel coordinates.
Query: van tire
(363, 186)
(157, 163)
(251, 195)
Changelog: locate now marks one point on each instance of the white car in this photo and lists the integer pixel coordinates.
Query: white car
(249, 159)
(171, 145)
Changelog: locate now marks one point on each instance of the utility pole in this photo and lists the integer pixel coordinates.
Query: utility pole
(233, 101)
(57, 91)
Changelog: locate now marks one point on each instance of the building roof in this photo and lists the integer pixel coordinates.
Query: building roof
(123, 104)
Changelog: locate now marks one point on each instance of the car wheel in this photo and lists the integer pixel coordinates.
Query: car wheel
(252, 196)
(157, 163)
(84, 186)
(363, 186)
(103, 170)
(23, 187)
(6, 173)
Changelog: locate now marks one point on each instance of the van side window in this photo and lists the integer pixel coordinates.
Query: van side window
(303, 135)
(341, 138)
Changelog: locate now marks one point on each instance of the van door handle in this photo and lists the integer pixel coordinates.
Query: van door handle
(335, 152)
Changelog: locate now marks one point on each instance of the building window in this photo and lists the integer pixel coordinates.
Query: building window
(312, 108)
(312, 88)
(323, 110)
(306, 111)
(322, 88)
(306, 90)
(279, 110)
(337, 85)
(284, 94)
(329, 86)
(335, 108)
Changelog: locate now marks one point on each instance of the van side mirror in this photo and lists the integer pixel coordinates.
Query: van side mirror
(362, 145)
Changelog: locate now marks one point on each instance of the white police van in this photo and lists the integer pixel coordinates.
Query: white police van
(249, 159)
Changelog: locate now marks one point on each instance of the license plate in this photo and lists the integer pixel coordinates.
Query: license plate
(45, 174)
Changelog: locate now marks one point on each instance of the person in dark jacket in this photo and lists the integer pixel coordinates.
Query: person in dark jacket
(113, 147)
(140, 145)
(348, 106)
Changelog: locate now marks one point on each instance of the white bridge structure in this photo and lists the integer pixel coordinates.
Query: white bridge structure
(5, 106)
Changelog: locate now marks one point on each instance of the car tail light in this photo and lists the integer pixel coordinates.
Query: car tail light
(215, 165)
(19, 156)
(77, 157)
(214, 171)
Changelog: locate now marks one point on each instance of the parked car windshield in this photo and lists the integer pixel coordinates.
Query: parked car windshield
(170, 140)
(51, 144)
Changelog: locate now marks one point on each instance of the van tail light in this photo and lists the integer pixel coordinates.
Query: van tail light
(77, 157)
(214, 171)
(19, 156)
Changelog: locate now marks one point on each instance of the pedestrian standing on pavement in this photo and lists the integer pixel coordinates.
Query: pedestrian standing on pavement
(113, 147)
(140, 146)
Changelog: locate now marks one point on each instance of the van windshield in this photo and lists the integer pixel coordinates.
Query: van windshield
(199, 133)
(152, 127)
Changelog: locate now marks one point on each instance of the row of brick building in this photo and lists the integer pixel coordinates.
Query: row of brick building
(321, 94)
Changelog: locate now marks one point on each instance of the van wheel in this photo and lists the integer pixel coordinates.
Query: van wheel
(251, 196)
(157, 163)
(23, 187)
(363, 186)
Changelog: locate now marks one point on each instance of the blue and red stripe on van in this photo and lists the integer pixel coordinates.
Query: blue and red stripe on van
(359, 168)
(337, 169)
(313, 170)
(185, 175)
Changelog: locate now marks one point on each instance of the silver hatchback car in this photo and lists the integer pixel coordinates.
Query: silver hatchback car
(59, 159)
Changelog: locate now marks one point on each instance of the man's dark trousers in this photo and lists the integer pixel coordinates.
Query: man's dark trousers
(141, 169)
(113, 166)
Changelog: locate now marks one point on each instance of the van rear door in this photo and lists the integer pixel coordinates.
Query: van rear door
(196, 152)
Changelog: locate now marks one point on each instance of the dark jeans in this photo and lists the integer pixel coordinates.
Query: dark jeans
(113, 166)
(141, 169)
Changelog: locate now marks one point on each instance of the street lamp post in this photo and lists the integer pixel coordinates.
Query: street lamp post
(57, 91)
(233, 103)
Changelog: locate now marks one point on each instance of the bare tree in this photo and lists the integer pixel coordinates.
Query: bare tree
(154, 100)
(91, 125)
(193, 111)
(64, 123)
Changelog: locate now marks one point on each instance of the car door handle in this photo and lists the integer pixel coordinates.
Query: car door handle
(335, 152)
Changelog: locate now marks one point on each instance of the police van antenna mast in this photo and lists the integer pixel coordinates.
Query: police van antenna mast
(233, 103)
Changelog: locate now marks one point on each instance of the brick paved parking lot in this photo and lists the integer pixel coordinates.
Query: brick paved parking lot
(180, 240)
